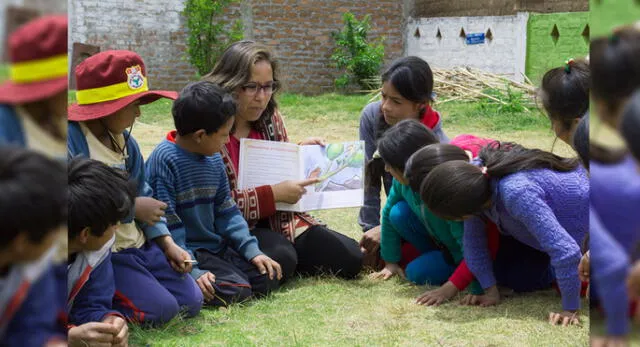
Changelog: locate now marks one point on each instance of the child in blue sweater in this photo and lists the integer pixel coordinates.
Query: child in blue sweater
(99, 197)
(538, 198)
(34, 214)
(149, 268)
(615, 179)
(187, 173)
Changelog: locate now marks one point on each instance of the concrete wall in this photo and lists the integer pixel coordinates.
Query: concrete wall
(504, 54)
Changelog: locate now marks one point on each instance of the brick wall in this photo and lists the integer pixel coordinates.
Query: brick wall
(461, 8)
(439, 42)
(42, 6)
(298, 30)
(544, 51)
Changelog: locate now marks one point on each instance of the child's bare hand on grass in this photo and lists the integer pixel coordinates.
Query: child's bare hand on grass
(291, 191)
(490, 297)
(267, 265)
(149, 210)
(564, 318)
(205, 283)
(437, 296)
(583, 268)
(121, 338)
(370, 241)
(92, 334)
(609, 341)
(390, 270)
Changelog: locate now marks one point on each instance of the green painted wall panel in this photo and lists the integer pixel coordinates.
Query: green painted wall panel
(542, 52)
(607, 14)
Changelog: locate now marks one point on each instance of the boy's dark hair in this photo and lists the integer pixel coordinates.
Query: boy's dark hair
(565, 92)
(412, 77)
(397, 145)
(99, 196)
(202, 105)
(615, 69)
(426, 159)
(33, 192)
(581, 142)
(630, 125)
(458, 188)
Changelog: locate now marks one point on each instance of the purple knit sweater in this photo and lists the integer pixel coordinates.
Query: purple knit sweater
(615, 209)
(545, 209)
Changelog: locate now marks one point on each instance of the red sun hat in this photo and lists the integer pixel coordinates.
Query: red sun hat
(108, 82)
(38, 61)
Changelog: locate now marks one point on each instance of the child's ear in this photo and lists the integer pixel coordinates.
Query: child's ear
(198, 135)
(83, 237)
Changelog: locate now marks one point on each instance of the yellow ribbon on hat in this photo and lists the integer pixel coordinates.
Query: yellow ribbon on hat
(109, 93)
(40, 69)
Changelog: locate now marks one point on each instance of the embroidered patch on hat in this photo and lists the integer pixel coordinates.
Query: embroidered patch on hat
(135, 80)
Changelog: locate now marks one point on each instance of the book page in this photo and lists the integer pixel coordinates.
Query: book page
(267, 163)
(341, 168)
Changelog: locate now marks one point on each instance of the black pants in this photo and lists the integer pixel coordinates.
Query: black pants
(521, 267)
(237, 280)
(318, 250)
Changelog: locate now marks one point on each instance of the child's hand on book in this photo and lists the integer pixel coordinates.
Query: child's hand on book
(390, 270)
(149, 210)
(267, 265)
(205, 282)
(291, 191)
(313, 141)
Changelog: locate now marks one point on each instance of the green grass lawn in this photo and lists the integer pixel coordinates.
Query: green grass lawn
(4, 72)
(328, 311)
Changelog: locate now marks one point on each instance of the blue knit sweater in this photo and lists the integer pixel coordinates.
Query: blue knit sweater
(615, 236)
(545, 209)
(200, 211)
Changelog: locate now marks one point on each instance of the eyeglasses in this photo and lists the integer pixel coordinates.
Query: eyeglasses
(254, 88)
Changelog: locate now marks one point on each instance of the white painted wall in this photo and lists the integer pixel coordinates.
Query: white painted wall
(505, 54)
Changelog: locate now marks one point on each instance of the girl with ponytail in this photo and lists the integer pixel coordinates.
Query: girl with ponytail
(538, 198)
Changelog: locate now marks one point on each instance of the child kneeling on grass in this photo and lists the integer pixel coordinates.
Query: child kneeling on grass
(538, 198)
(187, 173)
(99, 197)
(405, 217)
(34, 214)
(149, 268)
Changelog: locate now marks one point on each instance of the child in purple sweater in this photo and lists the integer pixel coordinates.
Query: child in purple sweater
(615, 179)
(536, 197)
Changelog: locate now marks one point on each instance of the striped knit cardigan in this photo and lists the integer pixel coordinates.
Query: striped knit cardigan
(258, 203)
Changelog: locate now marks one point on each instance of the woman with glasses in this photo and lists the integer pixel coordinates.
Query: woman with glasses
(297, 241)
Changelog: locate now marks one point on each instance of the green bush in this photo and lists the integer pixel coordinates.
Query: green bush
(207, 35)
(360, 59)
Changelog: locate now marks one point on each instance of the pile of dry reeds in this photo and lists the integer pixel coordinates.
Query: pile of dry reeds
(467, 84)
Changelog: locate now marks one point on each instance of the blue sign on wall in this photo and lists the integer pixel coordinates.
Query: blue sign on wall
(475, 39)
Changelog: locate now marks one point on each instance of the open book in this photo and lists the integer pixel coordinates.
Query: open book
(340, 166)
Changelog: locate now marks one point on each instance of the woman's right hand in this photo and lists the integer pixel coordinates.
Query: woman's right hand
(291, 191)
(390, 270)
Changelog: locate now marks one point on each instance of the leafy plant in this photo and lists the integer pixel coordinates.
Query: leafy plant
(361, 60)
(207, 37)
